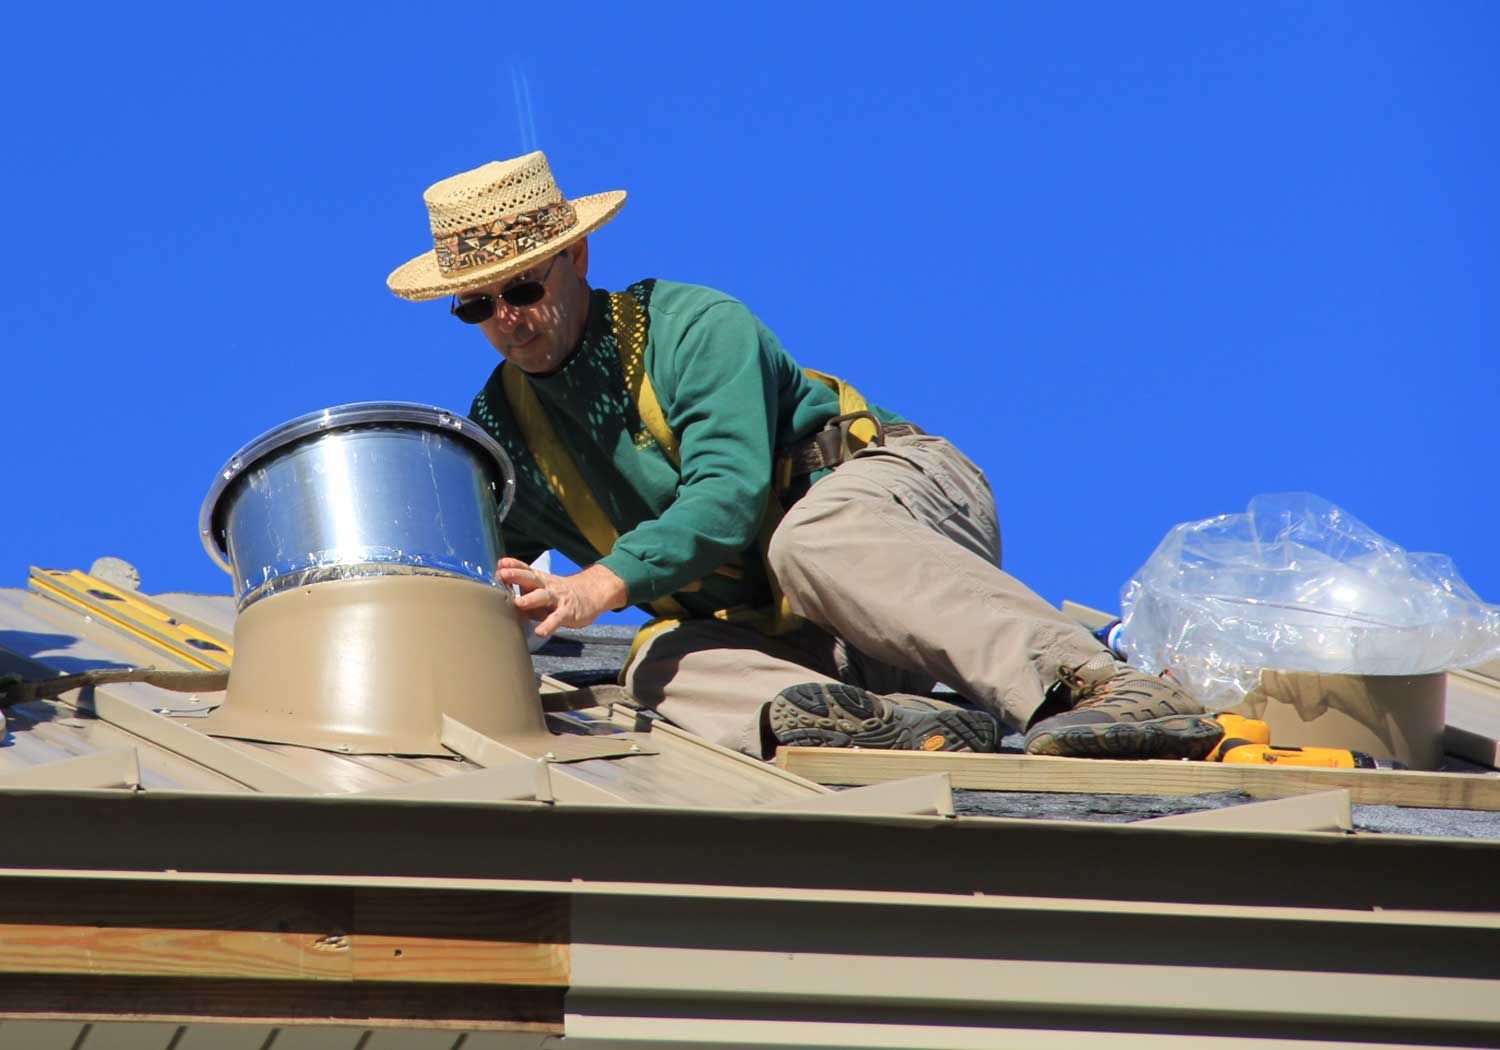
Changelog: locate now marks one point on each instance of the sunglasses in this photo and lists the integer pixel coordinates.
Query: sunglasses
(482, 307)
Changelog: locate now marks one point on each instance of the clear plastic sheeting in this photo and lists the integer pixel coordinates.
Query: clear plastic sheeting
(1297, 584)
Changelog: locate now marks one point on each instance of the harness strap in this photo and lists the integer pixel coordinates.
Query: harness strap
(851, 402)
(630, 326)
(562, 474)
(630, 337)
(831, 446)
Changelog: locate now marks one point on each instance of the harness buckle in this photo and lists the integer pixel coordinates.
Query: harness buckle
(845, 423)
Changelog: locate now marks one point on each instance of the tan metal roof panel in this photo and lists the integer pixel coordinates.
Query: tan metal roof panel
(45, 732)
(673, 769)
(43, 630)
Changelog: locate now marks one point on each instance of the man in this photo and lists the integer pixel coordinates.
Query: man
(816, 563)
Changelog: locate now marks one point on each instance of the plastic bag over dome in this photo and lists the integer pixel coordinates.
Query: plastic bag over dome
(1297, 584)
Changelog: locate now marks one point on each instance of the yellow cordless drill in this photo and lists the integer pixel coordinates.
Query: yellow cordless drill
(1247, 742)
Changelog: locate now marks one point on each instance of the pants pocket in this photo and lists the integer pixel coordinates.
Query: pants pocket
(940, 487)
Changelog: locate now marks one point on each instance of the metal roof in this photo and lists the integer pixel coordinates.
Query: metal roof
(162, 729)
(51, 739)
(163, 888)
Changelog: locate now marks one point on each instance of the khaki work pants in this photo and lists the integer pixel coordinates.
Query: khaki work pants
(894, 561)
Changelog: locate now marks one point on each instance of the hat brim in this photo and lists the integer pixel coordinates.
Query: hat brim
(420, 280)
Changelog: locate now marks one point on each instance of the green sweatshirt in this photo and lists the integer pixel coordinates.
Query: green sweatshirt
(731, 394)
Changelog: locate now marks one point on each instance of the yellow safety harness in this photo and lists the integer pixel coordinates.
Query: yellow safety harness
(629, 323)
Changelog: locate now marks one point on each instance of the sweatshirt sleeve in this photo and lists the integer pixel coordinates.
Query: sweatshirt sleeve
(718, 390)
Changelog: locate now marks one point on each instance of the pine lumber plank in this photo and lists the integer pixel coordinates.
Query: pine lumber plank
(1110, 776)
(308, 934)
(515, 939)
(153, 952)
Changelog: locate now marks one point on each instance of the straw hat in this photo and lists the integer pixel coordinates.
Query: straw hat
(495, 221)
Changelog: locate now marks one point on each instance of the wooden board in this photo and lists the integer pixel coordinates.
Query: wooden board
(283, 933)
(1110, 776)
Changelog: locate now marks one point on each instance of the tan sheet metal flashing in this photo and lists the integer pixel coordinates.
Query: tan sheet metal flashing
(371, 665)
(1129, 988)
(681, 1025)
(216, 759)
(927, 796)
(374, 665)
(486, 751)
(521, 780)
(713, 774)
(1321, 811)
(745, 847)
(172, 736)
(1396, 717)
(749, 959)
(668, 891)
(1473, 729)
(627, 717)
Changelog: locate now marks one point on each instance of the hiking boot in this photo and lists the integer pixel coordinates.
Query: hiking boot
(831, 714)
(1114, 710)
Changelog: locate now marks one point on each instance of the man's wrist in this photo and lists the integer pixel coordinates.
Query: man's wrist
(608, 590)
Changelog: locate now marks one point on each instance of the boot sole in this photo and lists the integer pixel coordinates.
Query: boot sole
(1175, 737)
(838, 715)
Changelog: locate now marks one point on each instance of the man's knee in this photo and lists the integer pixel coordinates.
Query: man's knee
(792, 553)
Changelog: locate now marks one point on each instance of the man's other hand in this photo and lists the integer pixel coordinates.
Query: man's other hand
(562, 601)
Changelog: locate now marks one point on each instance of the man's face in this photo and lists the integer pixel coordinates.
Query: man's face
(538, 338)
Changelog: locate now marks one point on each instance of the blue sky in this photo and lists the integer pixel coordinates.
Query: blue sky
(1142, 262)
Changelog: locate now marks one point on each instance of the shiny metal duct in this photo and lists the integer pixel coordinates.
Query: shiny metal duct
(359, 490)
(362, 541)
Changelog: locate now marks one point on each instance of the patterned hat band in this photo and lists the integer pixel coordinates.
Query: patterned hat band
(505, 238)
(492, 222)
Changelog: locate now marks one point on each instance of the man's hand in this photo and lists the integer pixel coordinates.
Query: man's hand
(562, 601)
